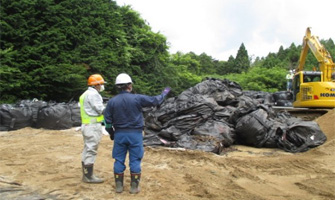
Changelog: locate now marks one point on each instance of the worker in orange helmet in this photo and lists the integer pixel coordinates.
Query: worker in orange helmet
(91, 110)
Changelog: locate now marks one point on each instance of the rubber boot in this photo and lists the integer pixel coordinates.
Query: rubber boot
(88, 176)
(118, 182)
(134, 184)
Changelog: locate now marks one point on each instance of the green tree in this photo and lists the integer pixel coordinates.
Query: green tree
(293, 56)
(330, 46)
(188, 60)
(221, 68)
(271, 61)
(230, 66)
(55, 45)
(10, 76)
(242, 62)
(208, 64)
(261, 79)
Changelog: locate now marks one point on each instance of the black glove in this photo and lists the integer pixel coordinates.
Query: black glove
(110, 132)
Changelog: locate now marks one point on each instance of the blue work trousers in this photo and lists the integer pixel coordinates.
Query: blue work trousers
(128, 140)
(289, 86)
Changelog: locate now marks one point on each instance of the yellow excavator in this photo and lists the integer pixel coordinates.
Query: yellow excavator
(314, 89)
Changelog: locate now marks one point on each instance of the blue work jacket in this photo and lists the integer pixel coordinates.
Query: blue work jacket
(124, 111)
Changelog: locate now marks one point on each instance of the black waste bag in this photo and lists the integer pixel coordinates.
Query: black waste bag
(223, 113)
(152, 139)
(245, 105)
(200, 142)
(15, 117)
(260, 96)
(166, 111)
(151, 122)
(301, 136)
(200, 104)
(186, 112)
(283, 102)
(55, 116)
(222, 91)
(171, 133)
(268, 99)
(35, 105)
(204, 98)
(257, 129)
(282, 95)
(75, 113)
(220, 130)
(210, 136)
(185, 123)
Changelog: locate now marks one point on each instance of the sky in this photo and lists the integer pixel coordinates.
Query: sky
(219, 27)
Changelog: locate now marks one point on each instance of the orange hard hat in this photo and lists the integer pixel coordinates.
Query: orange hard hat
(95, 79)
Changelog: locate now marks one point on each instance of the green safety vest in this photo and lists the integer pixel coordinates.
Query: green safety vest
(85, 118)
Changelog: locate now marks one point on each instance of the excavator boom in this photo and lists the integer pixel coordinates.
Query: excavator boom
(311, 42)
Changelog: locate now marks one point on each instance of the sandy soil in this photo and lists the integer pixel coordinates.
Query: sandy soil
(45, 164)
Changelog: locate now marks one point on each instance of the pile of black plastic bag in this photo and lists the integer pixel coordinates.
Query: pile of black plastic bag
(211, 116)
(216, 114)
(39, 114)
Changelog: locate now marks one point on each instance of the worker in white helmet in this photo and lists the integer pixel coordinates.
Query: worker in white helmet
(123, 115)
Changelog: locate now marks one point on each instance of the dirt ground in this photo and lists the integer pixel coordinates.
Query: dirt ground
(45, 164)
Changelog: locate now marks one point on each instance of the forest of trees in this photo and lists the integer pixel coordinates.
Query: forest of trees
(50, 47)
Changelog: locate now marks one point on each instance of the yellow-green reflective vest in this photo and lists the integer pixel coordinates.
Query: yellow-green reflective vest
(85, 118)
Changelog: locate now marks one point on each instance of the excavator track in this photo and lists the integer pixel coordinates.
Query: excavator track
(307, 114)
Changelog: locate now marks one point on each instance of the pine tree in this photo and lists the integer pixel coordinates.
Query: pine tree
(242, 62)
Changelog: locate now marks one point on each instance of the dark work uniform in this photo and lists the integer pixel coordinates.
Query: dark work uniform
(124, 112)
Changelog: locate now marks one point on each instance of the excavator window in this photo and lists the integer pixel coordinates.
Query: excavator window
(312, 78)
(316, 79)
(307, 79)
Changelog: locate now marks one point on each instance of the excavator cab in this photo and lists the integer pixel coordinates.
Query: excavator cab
(304, 77)
(309, 90)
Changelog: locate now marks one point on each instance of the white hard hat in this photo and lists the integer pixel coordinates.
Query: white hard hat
(123, 78)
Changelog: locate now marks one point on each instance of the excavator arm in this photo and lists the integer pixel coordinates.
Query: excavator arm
(327, 67)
